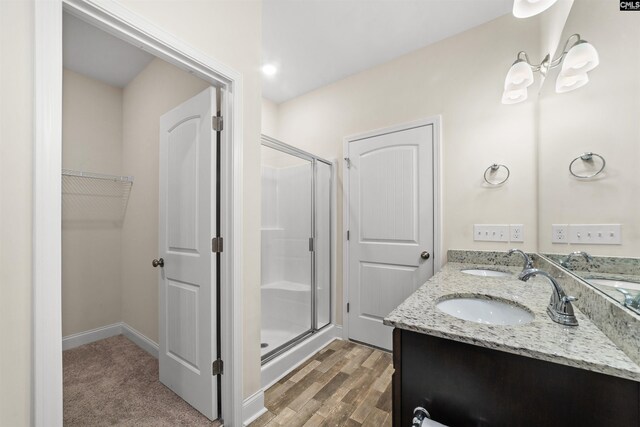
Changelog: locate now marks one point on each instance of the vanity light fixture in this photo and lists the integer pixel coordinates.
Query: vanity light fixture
(519, 78)
(578, 61)
(578, 57)
(529, 8)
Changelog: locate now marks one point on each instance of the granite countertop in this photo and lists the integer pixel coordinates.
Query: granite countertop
(583, 346)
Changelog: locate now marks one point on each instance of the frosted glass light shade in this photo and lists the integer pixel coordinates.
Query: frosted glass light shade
(580, 59)
(529, 8)
(514, 96)
(569, 83)
(520, 76)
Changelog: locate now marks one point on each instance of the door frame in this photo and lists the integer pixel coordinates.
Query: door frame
(438, 255)
(46, 404)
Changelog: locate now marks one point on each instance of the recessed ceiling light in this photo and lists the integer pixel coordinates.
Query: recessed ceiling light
(269, 69)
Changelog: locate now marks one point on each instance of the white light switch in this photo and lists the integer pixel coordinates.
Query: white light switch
(491, 232)
(595, 234)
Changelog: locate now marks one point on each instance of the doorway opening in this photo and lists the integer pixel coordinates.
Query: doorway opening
(93, 199)
(139, 182)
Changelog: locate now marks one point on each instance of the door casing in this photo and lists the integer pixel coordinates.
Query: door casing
(439, 256)
(46, 404)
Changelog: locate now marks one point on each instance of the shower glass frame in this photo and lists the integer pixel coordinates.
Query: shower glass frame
(288, 149)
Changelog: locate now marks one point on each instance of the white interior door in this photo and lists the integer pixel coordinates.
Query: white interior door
(187, 225)
(391, 224)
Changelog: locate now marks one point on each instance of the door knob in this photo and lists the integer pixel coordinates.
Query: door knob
(425, 255)
(158, 262)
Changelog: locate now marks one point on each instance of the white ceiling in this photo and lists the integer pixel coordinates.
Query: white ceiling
(317, 42)
(92, 52)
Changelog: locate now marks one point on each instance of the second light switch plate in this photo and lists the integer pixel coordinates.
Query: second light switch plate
(595, 234)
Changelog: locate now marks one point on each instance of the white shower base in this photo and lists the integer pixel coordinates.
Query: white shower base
(281, 365)
(286, 313)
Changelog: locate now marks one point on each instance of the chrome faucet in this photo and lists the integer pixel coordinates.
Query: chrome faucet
(567, 259)
(528, 264)
(560, 309)
(629, 301)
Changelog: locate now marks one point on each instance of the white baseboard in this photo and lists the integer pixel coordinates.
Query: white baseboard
(97, 334)
(253, 407)
(277, 368)
(86, 337)
(141, 340)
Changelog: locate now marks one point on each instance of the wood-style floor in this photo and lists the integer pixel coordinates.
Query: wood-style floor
(345, 384)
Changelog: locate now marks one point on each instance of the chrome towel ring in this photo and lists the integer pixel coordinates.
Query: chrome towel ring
(493, 169)
(587, 157)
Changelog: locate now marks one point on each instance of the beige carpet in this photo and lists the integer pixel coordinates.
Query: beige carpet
(113, 382)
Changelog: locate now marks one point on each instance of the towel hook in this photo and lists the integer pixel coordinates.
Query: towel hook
(493, 169)
(587, 157)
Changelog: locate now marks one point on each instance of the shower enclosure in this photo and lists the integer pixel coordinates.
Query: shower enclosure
(296, 246)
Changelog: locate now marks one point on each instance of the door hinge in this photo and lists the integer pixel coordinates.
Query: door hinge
(310, 244)
(348, 307)
(217, 367)
(348, 234)
(217, 123)
(216, 244)
(348, 162)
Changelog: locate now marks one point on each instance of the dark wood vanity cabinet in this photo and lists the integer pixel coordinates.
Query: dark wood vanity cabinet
(466, 385)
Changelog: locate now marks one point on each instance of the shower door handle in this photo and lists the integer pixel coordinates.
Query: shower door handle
(425, 255)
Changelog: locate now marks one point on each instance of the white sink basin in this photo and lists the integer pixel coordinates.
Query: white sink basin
(613, 283)
(485, 273)
(487, 311)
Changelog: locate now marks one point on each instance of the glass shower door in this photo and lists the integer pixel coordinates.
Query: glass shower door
(286, 262)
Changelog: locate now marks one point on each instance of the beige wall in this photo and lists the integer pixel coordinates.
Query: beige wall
(230, 31)
(158, 88)
(16, 124)
(269, 118)
(91, 142)
(461, 79)
(601, 117)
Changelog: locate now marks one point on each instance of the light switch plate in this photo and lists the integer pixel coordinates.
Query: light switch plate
(491, 232)
(595, 234)
(560, 233)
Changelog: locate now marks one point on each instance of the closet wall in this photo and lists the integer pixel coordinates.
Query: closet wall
(107, 272)
(91, 142)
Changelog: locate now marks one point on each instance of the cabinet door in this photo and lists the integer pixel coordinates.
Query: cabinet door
(467, 385)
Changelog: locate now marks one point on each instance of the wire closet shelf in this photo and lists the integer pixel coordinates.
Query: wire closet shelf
(94, 197)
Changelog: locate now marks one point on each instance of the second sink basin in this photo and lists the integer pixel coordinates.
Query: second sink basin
(613, 283)
(485, 272)
(480, 309)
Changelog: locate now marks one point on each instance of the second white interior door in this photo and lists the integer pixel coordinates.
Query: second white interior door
(391, 225)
